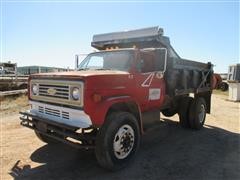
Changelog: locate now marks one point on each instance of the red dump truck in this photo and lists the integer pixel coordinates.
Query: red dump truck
(102, 105)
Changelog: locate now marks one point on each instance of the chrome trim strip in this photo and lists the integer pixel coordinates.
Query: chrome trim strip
(117, 97)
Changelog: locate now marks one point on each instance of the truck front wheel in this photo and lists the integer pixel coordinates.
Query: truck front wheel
(117, 140)
(197, 113)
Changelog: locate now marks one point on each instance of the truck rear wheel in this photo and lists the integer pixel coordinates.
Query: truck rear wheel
(197, 113)
(184, 111)
(117, 141)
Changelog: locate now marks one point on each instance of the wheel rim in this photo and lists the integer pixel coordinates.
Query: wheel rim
(201, 113)
(123, 141)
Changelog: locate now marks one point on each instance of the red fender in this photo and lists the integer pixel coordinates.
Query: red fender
(99, 115)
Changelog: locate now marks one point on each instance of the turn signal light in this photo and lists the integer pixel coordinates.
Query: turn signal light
(97, 97)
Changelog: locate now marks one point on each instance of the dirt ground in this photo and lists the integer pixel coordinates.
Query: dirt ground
(167, 151)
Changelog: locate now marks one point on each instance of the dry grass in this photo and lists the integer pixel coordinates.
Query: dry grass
(12, 104)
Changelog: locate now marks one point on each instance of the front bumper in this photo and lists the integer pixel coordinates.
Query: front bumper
(63, 115)
(58, 131)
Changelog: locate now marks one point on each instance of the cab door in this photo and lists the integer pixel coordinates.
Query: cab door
(150, 85)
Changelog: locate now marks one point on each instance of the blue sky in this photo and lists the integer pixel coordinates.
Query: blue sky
(51, 33)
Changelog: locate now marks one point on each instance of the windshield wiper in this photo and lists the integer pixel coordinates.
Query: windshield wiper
(102, 69)
(83, 69)
(97, 69)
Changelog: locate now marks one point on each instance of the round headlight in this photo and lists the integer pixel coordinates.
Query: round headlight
(75, 93)
(35, 89)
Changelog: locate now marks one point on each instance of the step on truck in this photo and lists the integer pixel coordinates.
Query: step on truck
(103, 103)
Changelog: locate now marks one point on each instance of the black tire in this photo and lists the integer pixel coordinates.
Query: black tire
(197, 113)
(169, 112)
(45, 138)
(108, 133)
(184, 111)
(224, 86)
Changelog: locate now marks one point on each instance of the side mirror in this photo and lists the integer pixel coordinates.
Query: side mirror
(76, 62)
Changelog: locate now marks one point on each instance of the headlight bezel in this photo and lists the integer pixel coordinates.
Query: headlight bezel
(35, 89)
(75, 93)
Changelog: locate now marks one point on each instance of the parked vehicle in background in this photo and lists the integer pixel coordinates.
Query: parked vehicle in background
(9, 78)
(14, 78)
(220, 82)
(7, 68)
(234, 82)
(103, 105)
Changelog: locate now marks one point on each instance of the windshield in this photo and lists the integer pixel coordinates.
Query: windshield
(112, 60)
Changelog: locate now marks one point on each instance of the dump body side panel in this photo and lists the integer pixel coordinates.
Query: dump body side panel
(186, 76)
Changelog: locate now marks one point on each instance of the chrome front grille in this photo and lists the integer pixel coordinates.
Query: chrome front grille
(61, 91)
(53, 112)
(57, 91)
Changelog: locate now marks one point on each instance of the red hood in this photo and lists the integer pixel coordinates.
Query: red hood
(77, 74)
(95, 79)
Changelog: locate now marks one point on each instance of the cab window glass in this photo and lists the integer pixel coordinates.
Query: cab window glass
(146, 63)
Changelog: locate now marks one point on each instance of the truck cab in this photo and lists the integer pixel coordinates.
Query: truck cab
(102, 103)
(144, 67)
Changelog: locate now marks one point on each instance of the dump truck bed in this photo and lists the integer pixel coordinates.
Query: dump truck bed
(182, 76)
